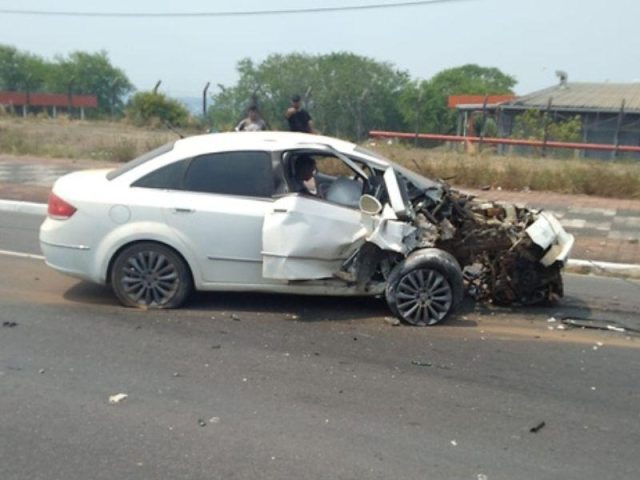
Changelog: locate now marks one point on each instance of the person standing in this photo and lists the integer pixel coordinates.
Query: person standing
(252, 123)
(298, 118)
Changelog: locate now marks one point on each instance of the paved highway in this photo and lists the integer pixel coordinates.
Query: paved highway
(249, 386)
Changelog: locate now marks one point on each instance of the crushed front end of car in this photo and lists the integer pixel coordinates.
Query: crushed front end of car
(509, 253)
(431, 243)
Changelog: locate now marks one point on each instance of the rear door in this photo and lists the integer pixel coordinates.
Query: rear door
(220, 212)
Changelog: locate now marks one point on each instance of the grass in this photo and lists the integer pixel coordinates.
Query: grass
(620, 179)
(119, 141)
(63, 138)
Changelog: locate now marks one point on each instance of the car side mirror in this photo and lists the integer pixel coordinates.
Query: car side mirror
(370, 205)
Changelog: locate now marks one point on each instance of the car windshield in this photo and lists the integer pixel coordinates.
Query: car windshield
(415, 178)
(145, 157)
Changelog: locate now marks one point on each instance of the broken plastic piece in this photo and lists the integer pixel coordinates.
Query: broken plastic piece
(117, 398)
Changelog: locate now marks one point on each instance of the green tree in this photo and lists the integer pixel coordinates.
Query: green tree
(91, 74)
(348, 94)
(21, 71)
(530, 125)
(425, 103)
(149, 108)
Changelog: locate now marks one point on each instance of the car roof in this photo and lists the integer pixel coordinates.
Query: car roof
(270, 141)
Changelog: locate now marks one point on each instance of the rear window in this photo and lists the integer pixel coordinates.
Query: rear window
(145, 157)
(247, 173)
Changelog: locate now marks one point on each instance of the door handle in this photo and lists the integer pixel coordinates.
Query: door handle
(183, 210)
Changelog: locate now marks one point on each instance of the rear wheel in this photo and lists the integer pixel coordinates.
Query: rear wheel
(149, 275)
(425, 288)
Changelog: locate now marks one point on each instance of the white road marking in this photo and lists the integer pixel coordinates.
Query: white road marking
(30, 208)
(10, 253)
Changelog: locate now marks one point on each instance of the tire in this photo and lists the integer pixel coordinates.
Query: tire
(425, 288)
(150, 275)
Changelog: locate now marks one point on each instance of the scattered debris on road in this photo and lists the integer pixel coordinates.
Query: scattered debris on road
(201, 422)
(9, 324)
(418, 363)
(117, 398)
(598, 324)
(393, 321)
(538, 427)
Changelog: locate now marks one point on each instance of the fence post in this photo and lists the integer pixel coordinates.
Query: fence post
(484, 121)
(155, 89)
(616, 138)
(418, 103)
(545, 136)
(204, 100)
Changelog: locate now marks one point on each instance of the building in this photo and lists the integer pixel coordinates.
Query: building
(610, 112)
(27, 102)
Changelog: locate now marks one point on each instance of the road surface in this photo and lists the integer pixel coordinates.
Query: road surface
(246, 386)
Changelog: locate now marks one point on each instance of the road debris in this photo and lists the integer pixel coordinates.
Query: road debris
(9, 324)
(454, 443)
(393, 321)
(201, 422)
(214, 420)
(419, 363)
(117, 398)
(538, 427)
(598, 324)
(41, 371)
(235, 317)
(482, 476)
(216, 347)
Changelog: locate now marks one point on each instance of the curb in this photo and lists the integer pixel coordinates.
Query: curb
(603, 268)
(577, 265)
(29, 208)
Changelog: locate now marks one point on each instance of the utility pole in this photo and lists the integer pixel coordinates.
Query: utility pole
(155, 89)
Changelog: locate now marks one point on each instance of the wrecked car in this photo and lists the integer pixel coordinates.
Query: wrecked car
(236, 212)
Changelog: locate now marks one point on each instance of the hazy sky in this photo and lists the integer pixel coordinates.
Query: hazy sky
(593, 40)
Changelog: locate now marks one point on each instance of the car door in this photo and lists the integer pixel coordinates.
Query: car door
(306, 237)
(219, 213)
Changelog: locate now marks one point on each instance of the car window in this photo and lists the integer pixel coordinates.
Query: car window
(169, 177)
(233, 173)
(145, 157)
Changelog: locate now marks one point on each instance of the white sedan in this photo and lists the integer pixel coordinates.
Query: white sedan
(295, 213)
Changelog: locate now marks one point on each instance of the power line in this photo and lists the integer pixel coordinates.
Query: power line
(246, 13)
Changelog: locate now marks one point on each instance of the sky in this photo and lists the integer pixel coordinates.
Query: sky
(592, 40)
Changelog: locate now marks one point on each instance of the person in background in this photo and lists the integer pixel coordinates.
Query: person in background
(298, 118)
(252, 123)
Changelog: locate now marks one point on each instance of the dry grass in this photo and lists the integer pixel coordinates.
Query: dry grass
(119, 141)
(591, 177)
(60, 137)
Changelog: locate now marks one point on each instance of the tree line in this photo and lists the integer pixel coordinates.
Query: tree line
(346, 94)
(78, 73)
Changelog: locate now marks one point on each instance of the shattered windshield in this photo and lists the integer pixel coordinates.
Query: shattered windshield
(416, 179)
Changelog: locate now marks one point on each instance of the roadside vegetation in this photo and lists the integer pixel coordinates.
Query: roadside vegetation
(122, 141)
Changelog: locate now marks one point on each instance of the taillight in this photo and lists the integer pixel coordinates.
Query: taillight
(58, 208)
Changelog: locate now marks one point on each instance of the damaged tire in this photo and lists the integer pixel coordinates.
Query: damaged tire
(425, 288)
(150, 275)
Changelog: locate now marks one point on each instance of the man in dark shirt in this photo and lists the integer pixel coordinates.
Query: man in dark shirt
(298, 118)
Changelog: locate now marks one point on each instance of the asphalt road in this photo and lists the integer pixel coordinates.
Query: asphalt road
(248, 386)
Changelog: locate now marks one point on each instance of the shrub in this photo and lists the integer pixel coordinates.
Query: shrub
(148, 108)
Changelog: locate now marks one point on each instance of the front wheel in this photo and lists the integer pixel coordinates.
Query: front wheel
(149, 275)
(425, 288)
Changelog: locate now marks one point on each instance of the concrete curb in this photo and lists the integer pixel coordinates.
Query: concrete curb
(29, 208)
(607, 268)
(576, 265)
